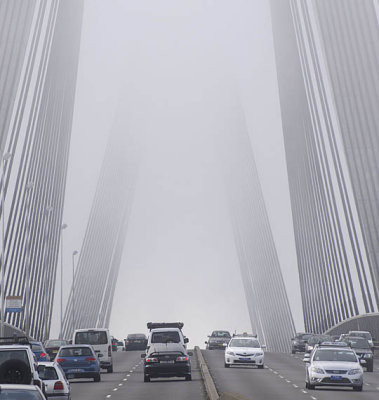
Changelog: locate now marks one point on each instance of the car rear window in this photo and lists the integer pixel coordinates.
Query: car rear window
(75, 352)
(47, 373)
(20, 394)
(55, 343)
(6, 355)
(221, 334)
(91, 337)
(165, 337)
(136, 336)
(36, 347)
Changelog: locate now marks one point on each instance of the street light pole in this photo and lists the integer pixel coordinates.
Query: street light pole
(64, 226)
(5, 158)
(29, 188)
(73, 290)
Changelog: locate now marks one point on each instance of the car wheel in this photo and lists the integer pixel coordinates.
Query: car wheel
(146, 378)
(110, 369)
(260, 366)
(227, 365)
(189, 377)
(358, 388)
(97, 378)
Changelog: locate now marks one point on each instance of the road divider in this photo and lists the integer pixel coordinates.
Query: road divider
(209, 384)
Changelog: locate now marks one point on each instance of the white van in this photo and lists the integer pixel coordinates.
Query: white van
(101, 341)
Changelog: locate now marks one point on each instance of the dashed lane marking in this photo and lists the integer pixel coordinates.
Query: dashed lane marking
(313, 398)
(120, 384)
(281, 376)
(124, 379)
(115, 389)
(108, 396)
(295, 386)
(275, 372)
(288, 381)
(304, 391)
(128, 375)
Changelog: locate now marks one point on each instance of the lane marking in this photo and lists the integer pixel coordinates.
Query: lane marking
(288, 381)
(108, 396)
(304, 391)
(124, 379)
(128, 375)
(295, 386)
(115, 389)
(120, 384)
(281, 377)
(275, 372)
(313, 398)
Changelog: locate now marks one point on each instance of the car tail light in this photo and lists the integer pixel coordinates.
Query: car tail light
(185, 358)
(58, 385)
(60, 360)
(151, 360)
(109, 351)
(90, 359)
(43, 355)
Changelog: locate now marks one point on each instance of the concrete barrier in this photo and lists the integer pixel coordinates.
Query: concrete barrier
(210, 386)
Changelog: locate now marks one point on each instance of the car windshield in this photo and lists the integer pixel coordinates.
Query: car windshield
(47, 373)
(55, 343)
(335, 355)
(360, 343)
(366, 335)
(244, 343)
(91, 337)
(75, 352)
(221, 334)
(36, 347)
(165, 337)
(19, 394)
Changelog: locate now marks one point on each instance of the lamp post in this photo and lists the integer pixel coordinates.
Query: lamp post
(49, 209)
(75, 252)
(28, 189)
(63, 227)
(5, 158)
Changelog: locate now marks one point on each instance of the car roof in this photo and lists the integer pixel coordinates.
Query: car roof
(17, 386)
(69, 346)
(92, 329)
(165, 330)
(14, 346)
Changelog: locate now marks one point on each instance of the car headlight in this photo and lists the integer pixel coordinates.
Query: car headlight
(318, 370)
(230, 353)
(354, 371)
(295, 342)
(368, 355)
(258, 354)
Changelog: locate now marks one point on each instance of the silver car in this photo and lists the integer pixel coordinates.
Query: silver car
(57, 386)
(333, 364)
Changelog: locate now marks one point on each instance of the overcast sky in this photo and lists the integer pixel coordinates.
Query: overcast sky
(179, 261)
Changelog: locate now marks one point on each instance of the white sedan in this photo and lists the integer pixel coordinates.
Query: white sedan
(242, 350)
(56, 385)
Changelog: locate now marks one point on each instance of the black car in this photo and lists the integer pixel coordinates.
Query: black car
(52, 346)
(136, 341)
(167, 360)
(299, 342)
(218, 340)
(362, 349)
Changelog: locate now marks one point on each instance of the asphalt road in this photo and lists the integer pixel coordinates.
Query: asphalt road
(281, 379)
(126, 383)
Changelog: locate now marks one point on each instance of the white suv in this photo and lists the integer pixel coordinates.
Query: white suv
(333, 364)
(18, 364)
(166, 332)
(244, 350)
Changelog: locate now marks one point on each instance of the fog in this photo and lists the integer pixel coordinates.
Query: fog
(172, 61)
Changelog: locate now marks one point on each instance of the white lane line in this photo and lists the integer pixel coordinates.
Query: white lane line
(288, 381)
(120, 384)
(128, 375)
(313, 398)
(281, 376)
(270, 369)
(367, 384)
(108, 396)
(124, 379)
(275, 372)
(304, 391)
(295, 386)
(115, 389)
(131, 370)
(377, 388)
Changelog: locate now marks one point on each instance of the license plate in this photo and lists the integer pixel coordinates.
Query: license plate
(167, 362)
(55, 351)
(336, 377)
(137, 341)
(245, 359)
(75, 370)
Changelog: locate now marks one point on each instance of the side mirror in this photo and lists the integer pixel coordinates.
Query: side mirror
(186, 340)
(263, 346)
(143, 355)
(190, 353)
(206, 342)
(306, 358)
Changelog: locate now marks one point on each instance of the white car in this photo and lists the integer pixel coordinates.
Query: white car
(244, 350)
(56, 385)
(333, 364)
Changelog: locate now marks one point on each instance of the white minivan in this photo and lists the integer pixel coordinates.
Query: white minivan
(101, 341)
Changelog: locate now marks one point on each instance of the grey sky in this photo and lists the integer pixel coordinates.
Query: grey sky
(179, 259)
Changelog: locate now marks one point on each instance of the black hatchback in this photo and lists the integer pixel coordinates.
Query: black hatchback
(136, 341)
(167, 360)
